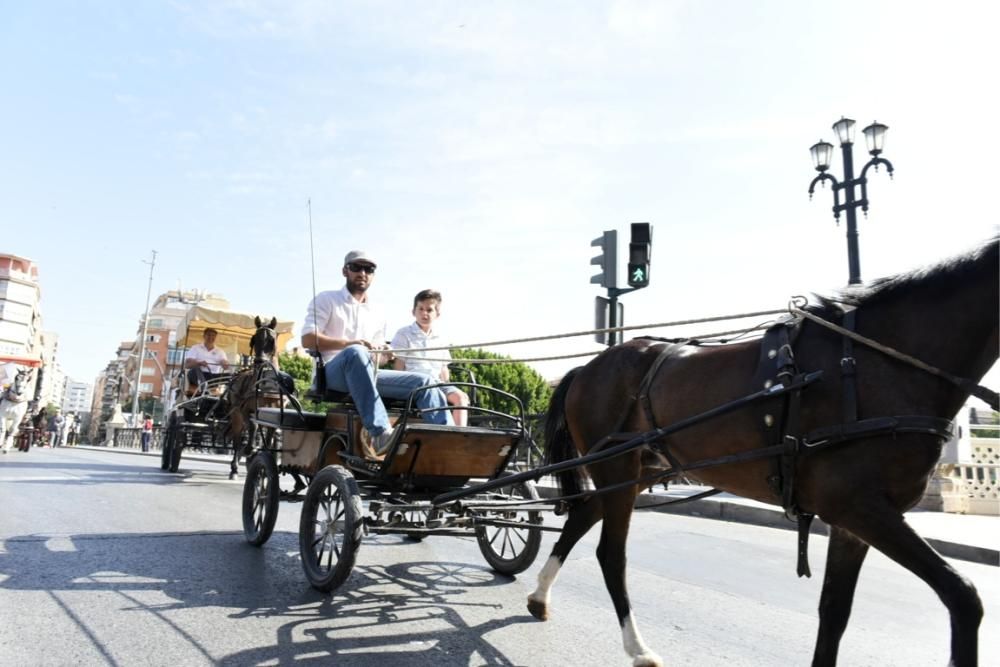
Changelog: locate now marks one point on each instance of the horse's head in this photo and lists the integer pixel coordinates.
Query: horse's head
(19, 387)
(264, 340)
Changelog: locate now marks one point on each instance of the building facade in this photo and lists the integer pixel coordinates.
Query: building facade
(77, 397)
(20, 314)
(163, 352)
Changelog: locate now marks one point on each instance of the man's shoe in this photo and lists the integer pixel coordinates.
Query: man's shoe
(381, 442)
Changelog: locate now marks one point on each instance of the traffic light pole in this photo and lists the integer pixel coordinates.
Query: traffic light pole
(615, 337)
(607, 314)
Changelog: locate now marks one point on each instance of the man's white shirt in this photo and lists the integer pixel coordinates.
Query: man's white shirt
(337, 314)
(215, 357)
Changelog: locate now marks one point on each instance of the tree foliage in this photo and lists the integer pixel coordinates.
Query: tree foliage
(301, 370)
(514, 378)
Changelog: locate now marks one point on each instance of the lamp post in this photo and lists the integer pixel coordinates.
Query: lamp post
(142, 345)
(822, 154)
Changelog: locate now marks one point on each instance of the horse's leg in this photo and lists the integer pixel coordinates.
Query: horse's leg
(844, 558)
(884, 528)
(611, 555)
(581, 517)
(3, 428)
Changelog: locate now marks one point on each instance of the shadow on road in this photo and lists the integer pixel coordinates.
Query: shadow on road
(382, 615)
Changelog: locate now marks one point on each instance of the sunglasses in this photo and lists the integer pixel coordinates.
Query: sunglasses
(354, 267)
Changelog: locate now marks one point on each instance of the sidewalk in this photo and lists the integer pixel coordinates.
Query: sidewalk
(969, 537)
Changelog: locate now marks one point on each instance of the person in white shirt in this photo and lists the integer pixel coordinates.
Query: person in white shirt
(422, 334)
(204, 360)
(346, 327)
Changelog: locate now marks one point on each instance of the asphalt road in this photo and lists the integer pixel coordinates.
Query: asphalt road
(106, 560)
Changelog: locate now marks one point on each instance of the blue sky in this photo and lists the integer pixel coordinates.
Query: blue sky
(477, 148)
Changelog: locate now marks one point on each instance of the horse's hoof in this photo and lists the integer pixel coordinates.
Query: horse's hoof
(539, 610)
(647, 660)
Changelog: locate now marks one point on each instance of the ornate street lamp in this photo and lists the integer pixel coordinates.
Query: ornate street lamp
(822, 154)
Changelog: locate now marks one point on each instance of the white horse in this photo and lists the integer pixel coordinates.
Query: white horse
(13, 405)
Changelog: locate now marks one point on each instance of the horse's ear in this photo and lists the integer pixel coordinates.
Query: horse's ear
(256, 322)
(274, 323)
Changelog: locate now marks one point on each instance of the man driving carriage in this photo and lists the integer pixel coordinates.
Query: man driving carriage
(346, 327)
(204, 360)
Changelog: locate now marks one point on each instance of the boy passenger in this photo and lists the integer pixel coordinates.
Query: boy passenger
(421, 334)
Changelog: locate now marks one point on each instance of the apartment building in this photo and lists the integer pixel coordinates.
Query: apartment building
(20, 314)
(163, 352)
(77, 396)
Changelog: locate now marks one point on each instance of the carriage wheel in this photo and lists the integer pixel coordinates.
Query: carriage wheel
(169, 436)
(176, 445)
(511, 549)
(260, 498)
(330, 528)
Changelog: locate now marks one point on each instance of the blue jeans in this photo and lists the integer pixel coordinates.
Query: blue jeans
(352, 371)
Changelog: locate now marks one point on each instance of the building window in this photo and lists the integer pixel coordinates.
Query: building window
(146, 370)
(156, 324)
(145, 387)
(153, 338)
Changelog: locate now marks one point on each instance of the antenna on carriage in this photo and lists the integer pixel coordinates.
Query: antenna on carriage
(312, 261)
(312, 256)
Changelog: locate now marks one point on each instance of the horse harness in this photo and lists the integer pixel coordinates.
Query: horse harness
(10, 396)
(784, 442)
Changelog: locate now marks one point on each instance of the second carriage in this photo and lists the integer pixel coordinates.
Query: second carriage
(200, 415)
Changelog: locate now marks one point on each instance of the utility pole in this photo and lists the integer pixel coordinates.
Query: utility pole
(142, 344)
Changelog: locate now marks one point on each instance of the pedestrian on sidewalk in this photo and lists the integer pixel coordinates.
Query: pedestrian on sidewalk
(67, 424)
(54, 427)
(147, 432)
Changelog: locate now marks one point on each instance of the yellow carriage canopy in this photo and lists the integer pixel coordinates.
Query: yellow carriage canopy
(235, 330)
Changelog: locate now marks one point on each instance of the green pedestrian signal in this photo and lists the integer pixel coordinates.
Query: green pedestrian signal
(639, 254)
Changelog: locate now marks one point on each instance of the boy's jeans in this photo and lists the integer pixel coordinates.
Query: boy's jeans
(352, 371)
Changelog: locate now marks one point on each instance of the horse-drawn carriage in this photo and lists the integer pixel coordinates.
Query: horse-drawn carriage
(209, 414)
(810, 415)
(353, 490)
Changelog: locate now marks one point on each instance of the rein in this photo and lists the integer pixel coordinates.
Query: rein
(979, 391)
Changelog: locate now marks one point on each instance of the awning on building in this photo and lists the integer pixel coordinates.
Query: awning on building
(30, 362)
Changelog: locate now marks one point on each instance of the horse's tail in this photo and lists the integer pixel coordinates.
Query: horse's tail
(558, 441)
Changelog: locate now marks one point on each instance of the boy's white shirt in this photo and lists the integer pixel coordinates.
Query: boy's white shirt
(417, 361)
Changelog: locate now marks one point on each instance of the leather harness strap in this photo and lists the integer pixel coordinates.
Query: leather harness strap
(647, 404)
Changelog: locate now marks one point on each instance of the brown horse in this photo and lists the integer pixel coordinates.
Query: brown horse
(256, 386)
(945, 316)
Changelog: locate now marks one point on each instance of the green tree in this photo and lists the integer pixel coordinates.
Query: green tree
(301, 370)
(514, 378)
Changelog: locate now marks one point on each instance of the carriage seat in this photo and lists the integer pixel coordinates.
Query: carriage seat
(318, 391)
(290, 419)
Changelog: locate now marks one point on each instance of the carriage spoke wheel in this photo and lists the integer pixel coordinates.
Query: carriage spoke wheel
(330, 528)
(169, 440)
(260, 498)
(511, 549)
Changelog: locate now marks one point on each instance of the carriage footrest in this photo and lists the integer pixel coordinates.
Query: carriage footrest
(290, 419)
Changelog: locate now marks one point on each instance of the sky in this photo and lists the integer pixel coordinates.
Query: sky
(477, 148)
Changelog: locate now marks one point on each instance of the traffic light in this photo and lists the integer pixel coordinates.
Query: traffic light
(607, 260)
(639, 248)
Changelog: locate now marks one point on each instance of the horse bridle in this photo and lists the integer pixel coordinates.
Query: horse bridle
(21, 395)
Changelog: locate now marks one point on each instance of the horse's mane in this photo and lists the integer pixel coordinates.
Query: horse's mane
(948, 275)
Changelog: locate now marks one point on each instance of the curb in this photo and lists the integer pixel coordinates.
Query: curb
(740, 512)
